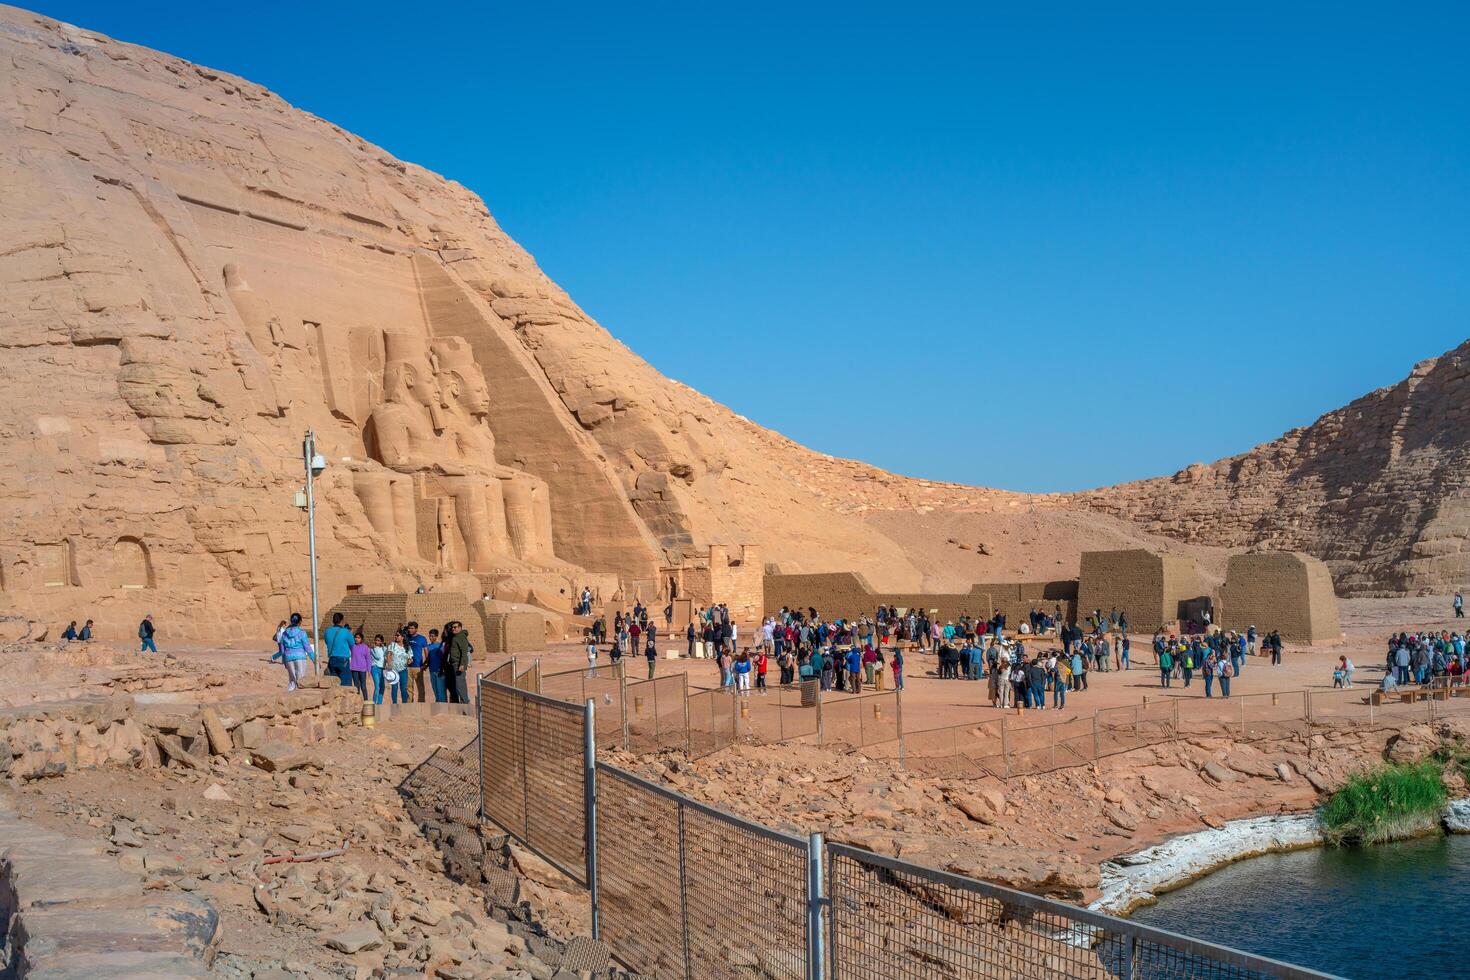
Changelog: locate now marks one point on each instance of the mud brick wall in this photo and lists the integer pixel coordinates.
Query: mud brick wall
(1146, 585)
(848, 594)
(383, 612)
(1285, 590)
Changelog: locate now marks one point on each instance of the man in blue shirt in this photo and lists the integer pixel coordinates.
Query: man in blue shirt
(855, 670)
(417, 645)
(434, 666)
(338, 641)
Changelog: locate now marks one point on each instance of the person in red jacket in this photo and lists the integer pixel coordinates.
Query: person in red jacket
(760, 670)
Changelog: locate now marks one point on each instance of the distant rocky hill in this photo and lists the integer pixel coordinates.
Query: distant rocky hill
(193, 273)
(1380, 489)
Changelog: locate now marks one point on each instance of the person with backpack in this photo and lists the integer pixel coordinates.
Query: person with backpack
(1227, 671)
(146, 633)
(650, 650)
(293, 649)
(1166, 666)
(1191, 652)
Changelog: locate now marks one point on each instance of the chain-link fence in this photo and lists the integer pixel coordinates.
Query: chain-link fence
(686, 890)
(891, 919)
(657, 713)
(681, 889)
(534, 770)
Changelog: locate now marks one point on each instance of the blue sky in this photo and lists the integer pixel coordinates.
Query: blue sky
(1035, 246)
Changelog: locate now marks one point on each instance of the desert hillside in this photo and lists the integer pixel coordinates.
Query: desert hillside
(193, 273)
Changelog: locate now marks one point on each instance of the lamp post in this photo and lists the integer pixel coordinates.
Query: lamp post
(315, 463)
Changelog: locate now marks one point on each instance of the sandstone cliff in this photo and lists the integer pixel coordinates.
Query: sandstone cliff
(1377, 489)
(193, 273)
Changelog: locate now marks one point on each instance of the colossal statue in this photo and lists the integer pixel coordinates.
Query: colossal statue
(465, 402)
(436, 451)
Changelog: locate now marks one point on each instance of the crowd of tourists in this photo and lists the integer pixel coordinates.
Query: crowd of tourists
(410, 667)
(1218, 657)
(1425, 657)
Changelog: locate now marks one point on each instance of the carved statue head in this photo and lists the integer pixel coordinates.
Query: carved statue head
(460, 377)
(407, 373)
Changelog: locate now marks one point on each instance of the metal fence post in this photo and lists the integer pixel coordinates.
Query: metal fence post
(1307, 700)
(1242, 716)
(898, 711)
(684, 693)
(1005, 747)
(815, 900)
(480, 730)
(1176, 718)
(589, 755)
(820, 733)
(525, 705)
(684, 892)
(623, 702)
(1096, 740)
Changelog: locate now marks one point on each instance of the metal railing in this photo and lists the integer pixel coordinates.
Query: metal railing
(892, 919)
(683, 889)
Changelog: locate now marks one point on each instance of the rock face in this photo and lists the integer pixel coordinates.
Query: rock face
(193, 274)
(1376, 489)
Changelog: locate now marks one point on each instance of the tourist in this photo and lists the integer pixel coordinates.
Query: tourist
(1078, 667)
(338, 641)
(416, 644)
(457, 657)
(591, 654)
(1123, 655)
(434, 666)
(86, 634)
(1389, 682)
(359, 662)
(293, 650)
(1237, 654)
(1227, 671)
(650, 651)
(761, 665)
(146, 633)
(1036, 684)
(897, 666)
(1166, 666)
(855, 670)
(70, 633)
(1273, 640)
(870, 661)
(1020, 697)
(1459, 604)
(1346, 668)
(1187, 656)
(1250, 641)
(397, 665)
(1057, 671)
(742, 670)
(1209, 669)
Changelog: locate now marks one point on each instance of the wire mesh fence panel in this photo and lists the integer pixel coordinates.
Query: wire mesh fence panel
(1210, 716)
(638, 870)
(1029, 749)
(656, 713)
(502, 779)
(711, 721)
(530, 678)
(854, 721)
(572, 685)
(555, 793)
(1336, 708)
(891, 920)
(606, 690)
(446, 778)
(1158, 721)
(798, 706)
(1117, 730)
(1275, 715)
(504, 673)
(1074, 742)
(745, 895)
